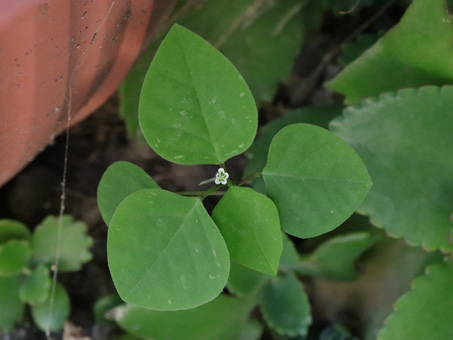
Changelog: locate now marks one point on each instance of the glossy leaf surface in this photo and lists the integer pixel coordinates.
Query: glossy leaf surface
(120, 180)
(11, 308)
(195, 108)
(220, 319)
(415, 53)
(53, 317)
(36, 287)
(405, 140)
(74, 243)
(165, 252)
(425, 311)
(314, 178)
(250, 225)
(14, 256)
(285, 306)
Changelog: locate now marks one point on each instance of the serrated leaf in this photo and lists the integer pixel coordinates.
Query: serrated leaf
(165, 252)
(415, 53)
(314, 178)
(74, 243)
(13, 230)
(285, 306)
(11, 308)
(245, 281)
(120, 180)
(189, 115)
(250, 225)
(405, 141)
(335, 258)
(425, 311)
(52, 316)
(14, 256)
(36, 287)
(257, 153)
(220, 319)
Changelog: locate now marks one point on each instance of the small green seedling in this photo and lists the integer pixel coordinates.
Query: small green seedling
(167, 255)
(26, 262)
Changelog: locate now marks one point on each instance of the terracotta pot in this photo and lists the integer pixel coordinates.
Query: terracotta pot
(60, 60)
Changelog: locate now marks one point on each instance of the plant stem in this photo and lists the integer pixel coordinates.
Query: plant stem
(201, 193)
(249, 178)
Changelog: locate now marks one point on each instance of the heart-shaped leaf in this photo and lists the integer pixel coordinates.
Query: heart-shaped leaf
(405, 140)
(120, 180)
(165, 252)
(314, 178)
(416, 52)
(425, 311)
(195, 108)
(250, 225)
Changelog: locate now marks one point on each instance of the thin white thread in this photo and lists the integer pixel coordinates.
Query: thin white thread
(65, 169)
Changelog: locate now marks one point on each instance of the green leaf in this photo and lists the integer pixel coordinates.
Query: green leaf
(289, 254)
(13, 230)
(285, 306)
(119, 180)
(36, 287)
(74, 243)
(335, 258)
(14, 256)
(104, 305)
(416, 52)
(261, 38)
(250, 225)
(189, 115)
(425, 311)
(129, 91)
(253, 330)
(244, 281)
(165, 252)
(220, 319)
(314, 178)
(405, 141)
(52, 315)
(257, 153)
(11, 308)
(355, 49)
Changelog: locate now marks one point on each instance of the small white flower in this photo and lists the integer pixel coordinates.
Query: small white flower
(221, 176)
